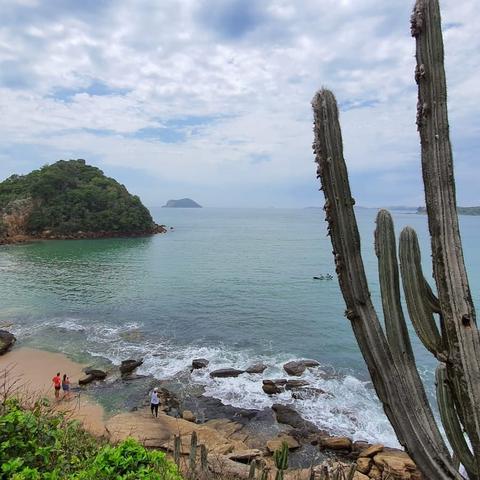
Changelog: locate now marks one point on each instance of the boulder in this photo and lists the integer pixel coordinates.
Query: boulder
(128, 366)
(364, 464)
(307, 393)
(336, 443)
(360, 445)
(198, 363)
(276, 443)
(297, 367)
(272, 387)
(256, 368)
(396, 462)
(289, 416)
(226, 372)
(189, 416)
(96, 373)
(375, 473)
(86, 380)
(371, 450)
(7, 339)
(245, 456)
(295, 384)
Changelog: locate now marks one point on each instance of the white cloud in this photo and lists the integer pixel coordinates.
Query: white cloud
(253, 76)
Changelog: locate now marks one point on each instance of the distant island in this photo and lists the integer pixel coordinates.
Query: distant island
(460, 210)
(68, 200)
(182, 203)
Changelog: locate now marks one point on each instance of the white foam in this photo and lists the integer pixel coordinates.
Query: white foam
(353, 409)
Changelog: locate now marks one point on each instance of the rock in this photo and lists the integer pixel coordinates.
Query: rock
(336, 443)
(128, 366)
(372, 450)
(245, 456)
(308, 393)
(270, 388)
(375, 473)
(189, 416)
(226, 372)
(396, 462)
(360, 445)
(86, 380)
(360, 476)
(295, 384)
(198, 363)
(96, 373)
(296, 368)
(364, 464)
(276, 443)
(287, 415)
(256, 368)
(7, 339)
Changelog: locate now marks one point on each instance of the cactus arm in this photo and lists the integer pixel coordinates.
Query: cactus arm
(395, 324)
(451, 422)
(416, 294)
(462, 335)
(409, 422)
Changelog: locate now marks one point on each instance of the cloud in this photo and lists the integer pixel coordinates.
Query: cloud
(214, 96)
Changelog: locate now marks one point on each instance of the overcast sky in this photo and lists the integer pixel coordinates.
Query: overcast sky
(210, 99)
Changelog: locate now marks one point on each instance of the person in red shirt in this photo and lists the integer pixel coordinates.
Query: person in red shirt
(57, 383)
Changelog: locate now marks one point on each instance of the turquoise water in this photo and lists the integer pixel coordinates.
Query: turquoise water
(232, 285)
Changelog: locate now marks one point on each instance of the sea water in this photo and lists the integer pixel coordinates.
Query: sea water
(234, 286)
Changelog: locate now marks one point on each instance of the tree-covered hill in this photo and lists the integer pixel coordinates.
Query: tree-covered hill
(68, 199)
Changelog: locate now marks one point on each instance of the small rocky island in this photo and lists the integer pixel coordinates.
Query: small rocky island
(182, 203)
(70, 200)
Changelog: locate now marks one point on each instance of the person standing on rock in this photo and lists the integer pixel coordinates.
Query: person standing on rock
(154, 402)
(66, 386)
(57, 383)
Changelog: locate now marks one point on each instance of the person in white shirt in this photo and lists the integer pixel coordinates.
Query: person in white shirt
(154, 402)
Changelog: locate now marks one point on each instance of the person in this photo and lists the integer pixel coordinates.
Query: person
(57, 382)
(66, 386)
(154, 402)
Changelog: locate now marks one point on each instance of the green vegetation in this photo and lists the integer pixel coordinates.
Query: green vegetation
(39, 444)
(68, 197)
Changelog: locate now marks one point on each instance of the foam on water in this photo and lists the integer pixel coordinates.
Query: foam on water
(352, 408)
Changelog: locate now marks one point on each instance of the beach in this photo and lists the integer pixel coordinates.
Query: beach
(32, 371)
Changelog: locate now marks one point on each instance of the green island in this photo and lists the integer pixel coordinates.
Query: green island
(68, 200)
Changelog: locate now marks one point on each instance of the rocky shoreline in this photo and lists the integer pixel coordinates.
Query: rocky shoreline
(48, 235)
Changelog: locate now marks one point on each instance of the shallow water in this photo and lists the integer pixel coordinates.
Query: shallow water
(232, 285)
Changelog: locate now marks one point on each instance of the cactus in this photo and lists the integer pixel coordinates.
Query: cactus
(203, 458)
(193, 452)
(177, 444)
(281, 460)
(456, 341)
(251, 472)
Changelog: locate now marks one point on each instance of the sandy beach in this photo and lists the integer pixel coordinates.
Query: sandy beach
(34, 369)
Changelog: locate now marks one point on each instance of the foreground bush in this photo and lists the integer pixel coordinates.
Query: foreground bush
(38, 444)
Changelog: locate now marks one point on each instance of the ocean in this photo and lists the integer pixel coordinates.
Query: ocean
(234, 286)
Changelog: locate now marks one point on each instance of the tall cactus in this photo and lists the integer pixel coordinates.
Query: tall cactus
(456, 342)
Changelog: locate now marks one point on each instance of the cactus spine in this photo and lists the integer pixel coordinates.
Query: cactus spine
(456, 344)
(281, 461)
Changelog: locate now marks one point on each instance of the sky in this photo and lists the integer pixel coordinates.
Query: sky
(210, 99)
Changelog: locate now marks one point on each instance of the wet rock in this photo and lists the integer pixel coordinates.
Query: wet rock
(289, 416)
(276, 443)
(307, 393)
(295, 384)
(198, 363)
(297, 367)
(128, 366)
(226, 372)
(336, 443)
(7, 339)
(189, 416)
(272, 387)
(86, 380)
(256, 368)
(96, 373)
(360, 445)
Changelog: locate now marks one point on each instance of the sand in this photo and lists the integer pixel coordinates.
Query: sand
(34, 369)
